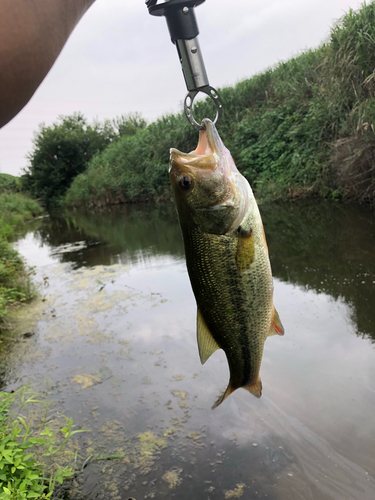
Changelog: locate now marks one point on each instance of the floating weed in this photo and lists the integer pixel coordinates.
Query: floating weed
(90, 379)
(149, 443)
(86, 379)
(236, 493)
(172, 477)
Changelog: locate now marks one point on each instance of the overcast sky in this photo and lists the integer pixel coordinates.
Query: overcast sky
(120, 59)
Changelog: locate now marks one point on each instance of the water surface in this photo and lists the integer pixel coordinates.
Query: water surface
(115, 347)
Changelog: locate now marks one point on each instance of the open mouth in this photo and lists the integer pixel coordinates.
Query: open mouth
(205, 154)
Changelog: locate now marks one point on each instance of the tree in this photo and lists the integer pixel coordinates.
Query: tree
(129, 124)
(61, 152)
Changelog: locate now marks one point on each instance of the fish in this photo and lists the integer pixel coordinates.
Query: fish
(227, 258)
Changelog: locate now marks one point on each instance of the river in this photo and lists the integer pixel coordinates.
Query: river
(115, 348)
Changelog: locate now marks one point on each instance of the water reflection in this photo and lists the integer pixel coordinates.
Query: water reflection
(121, 233)
(320, 246)
(328, 248)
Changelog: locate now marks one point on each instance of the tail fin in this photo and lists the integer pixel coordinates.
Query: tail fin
(223, 396)
(256, 388)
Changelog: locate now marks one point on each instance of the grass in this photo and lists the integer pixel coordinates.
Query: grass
(27, 448)
(15, 275)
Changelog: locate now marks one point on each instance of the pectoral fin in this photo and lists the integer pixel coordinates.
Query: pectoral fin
(276, 325)
(206, 343)
(245, 249)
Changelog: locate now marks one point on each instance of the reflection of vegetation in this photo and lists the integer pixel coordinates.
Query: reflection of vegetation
(322, 246)
(327, 248)
(151, 228)
(121, 232)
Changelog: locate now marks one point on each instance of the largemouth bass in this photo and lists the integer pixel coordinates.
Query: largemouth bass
(227, 258)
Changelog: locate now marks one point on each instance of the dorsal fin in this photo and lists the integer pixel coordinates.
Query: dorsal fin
(206, 343)
(276, 325)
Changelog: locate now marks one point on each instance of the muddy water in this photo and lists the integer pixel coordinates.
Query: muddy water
(115, 348)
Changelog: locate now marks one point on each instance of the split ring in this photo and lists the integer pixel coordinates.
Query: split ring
(188, 105)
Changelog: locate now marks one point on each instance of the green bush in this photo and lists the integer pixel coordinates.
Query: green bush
(15, 208)
(132, 168)
(9, 183)
(15, 277)
(60, 153)
(63, 151)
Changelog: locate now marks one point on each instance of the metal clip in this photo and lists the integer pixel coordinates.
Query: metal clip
(188, 104)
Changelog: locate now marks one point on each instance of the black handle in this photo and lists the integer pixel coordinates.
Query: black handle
(180, 16)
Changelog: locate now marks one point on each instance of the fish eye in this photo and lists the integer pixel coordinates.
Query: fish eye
(185, 182)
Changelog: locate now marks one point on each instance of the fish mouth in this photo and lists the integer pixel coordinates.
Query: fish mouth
(209, 139)
(206, 154)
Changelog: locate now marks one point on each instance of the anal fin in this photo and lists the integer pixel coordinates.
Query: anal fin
(207, 345)
(255, 389)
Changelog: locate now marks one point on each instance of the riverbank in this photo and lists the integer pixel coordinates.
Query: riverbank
(36, 457)
(15, 276)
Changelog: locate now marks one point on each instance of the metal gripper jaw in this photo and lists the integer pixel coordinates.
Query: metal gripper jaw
(183, 28)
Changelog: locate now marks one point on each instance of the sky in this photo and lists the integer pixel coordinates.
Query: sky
(120, 60)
